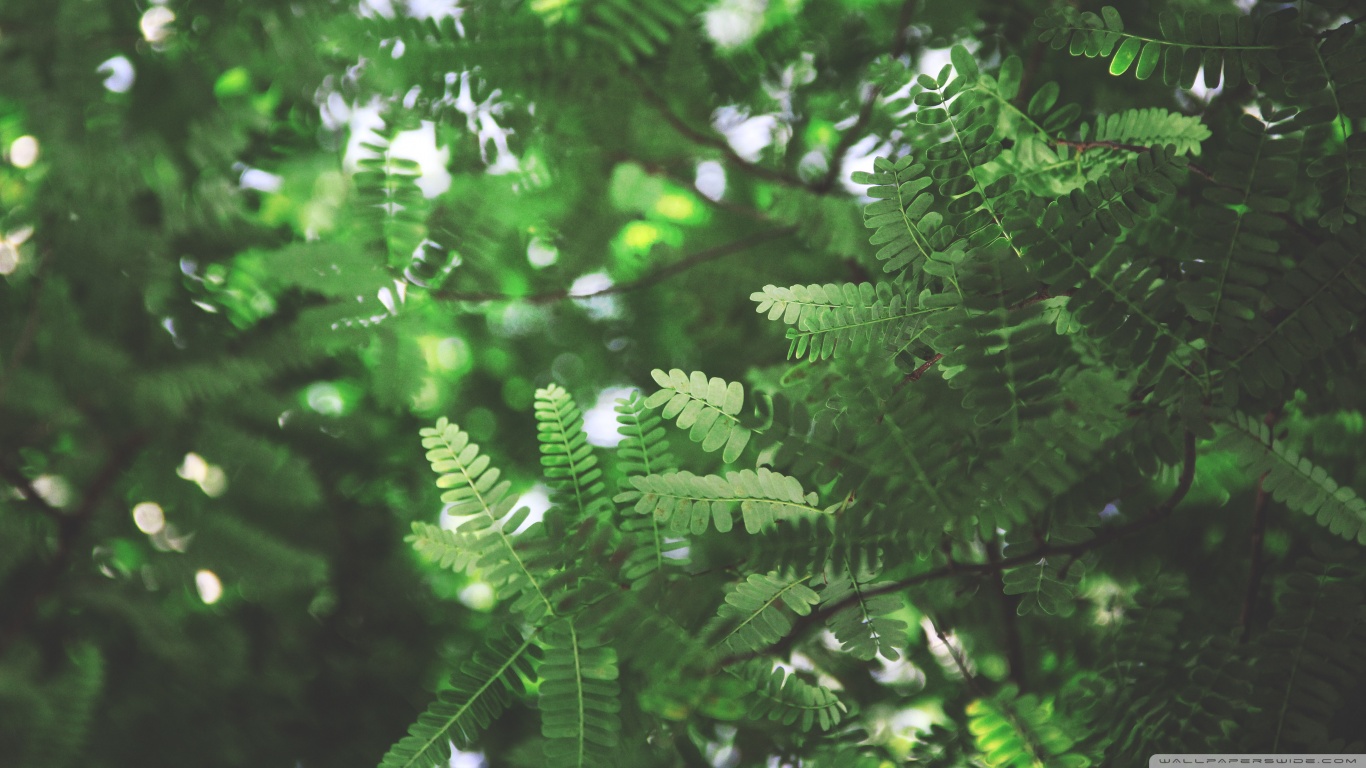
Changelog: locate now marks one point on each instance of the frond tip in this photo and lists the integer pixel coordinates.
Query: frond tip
(753, 614)
(579, 698)
(789, 699)
(479, 691)
(830, 318)
(1294, 481)
(689, 503)
(707, 408)
(865, 628)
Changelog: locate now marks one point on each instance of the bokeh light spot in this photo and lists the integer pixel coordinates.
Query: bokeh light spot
(149, 517)
(210, 588)
(23, 152)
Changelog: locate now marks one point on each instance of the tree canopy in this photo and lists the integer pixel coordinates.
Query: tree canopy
(680, 383)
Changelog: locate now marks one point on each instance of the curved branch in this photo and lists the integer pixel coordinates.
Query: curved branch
(651, 279)
(70, 528)
(1154, 515)
(708, 139)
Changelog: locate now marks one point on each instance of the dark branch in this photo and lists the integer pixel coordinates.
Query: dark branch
(1008, 604)
(70, 528)
(29, 331)
(1082, 146)
(705, 139)
(1257, 563)
(25, 486)
(654, 278)
(865, 114)
(1154, 515)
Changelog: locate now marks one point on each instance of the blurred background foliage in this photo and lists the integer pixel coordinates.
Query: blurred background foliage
(248, 248)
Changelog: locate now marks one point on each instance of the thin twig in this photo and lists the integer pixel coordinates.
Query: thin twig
(1009, 616)
(1257, 563)
(900, 41)
(1114, 533)
(70, 528)
(653, 278)
(25, 486)
(1082, 146)
(708, 139)
(29, 331)
(915, 375)
(958, 660)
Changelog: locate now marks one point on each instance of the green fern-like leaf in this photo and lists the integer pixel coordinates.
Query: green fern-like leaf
(903, 223)
(644, 451)
(635, 29)
(1235, 45)
(579, 698)
(1310, 655)
(753, 616)
(689, 503)
(388, 195)
(567, 459)
(1317, 302)
(1116, 292)
(1022, 732)
(1043, 587)
(865, 629)
(1241, 226)
(788, 699)
(995, 341)
(69, 699)
(446, 548)
(479, 691)
(1151, 127)
(707, 408)
(1294, 481)
(481, 505)
(831, 318)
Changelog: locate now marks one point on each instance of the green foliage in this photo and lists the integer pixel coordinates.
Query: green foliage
(578, 698)
(755, 614)
(1021, 732)
(566, 457)
(1069, 406)
(778, 695)
(903, 223)
(690, 503)
(1308, 653)
(707, 408)
(1233, 44)
(479, 691)
(644, 451)
(1151, 127)
(862, 622)
(830, 318)
(1294, 480)
(482, 508)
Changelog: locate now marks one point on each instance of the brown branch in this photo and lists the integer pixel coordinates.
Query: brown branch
(1082, 146)
(25, 486)
(1008, 604)
(712, 140)
(1114, 533)
(900, 40)
(28, 332)
(70, 528)
(663, 172)
(1257, 563)
(958, 660)
(915, 375)
(653, 278)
